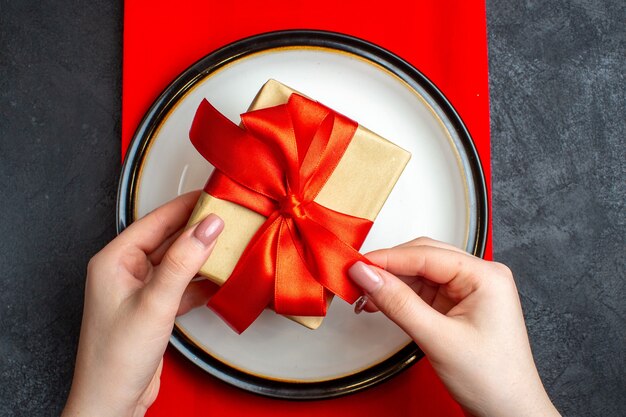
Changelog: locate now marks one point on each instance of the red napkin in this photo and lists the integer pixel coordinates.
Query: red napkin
(446, 40)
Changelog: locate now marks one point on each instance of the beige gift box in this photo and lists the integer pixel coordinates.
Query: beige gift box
(359, 186)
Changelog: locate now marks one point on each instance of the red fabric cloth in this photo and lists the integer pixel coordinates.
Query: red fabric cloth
(445, 40)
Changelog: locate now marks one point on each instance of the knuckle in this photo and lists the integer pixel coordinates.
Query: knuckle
(398, 304)
(93, 263)
(92, 268)
(423, 241)
(105, 257)
(502, 269)
(503, 277)
(159, 219)
(97, 265)
(174, 264)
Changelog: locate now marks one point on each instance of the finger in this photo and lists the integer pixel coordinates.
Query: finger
(149, 232)
(426, 241)
(364, 303)
(182, 261)
(156, 255)
(197, 294)
(425, 289)
(441, 266)
(397, 301)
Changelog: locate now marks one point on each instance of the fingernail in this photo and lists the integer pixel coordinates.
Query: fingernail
(365, 277)
(360, 304)
(208, 229)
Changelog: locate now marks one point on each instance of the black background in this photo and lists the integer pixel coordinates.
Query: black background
(559, 186)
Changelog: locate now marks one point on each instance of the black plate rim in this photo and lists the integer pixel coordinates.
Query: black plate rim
(411, 353)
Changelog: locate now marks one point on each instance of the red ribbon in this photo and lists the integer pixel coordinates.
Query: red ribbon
(276, 166)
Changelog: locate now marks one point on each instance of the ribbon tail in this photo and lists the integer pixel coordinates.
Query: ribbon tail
(250, 288)
(297, 293)
(349, 229)
(329, 259)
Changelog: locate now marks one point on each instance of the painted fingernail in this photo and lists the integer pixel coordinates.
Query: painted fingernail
(360, 304)
(208, 229)
(365, 277)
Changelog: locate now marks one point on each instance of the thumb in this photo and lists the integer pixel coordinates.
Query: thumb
(398, 302)
(183, 260)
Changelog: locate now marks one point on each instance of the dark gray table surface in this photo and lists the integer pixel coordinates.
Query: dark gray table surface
(559, 186)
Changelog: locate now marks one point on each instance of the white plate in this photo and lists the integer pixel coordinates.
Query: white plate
(438, 195)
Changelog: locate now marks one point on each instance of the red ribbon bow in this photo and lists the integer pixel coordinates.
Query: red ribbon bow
(276, 167)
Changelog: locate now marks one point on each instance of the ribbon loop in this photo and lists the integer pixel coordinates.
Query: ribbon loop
(276, 167)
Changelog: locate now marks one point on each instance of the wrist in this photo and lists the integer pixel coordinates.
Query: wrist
(79, 405)
(522, 404)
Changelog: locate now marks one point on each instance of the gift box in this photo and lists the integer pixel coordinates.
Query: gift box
(357, 184)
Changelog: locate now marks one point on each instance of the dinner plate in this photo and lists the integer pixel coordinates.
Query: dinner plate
(441, 194)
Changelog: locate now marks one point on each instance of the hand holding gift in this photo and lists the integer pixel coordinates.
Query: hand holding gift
(122, 377)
